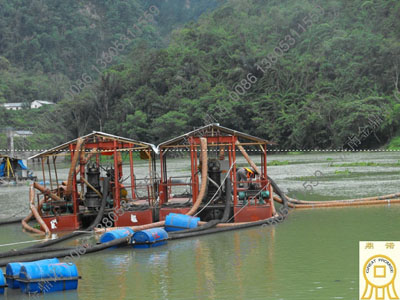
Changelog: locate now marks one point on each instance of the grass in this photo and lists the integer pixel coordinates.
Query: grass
(367, 164)
(394, 144)
(345, 172)
(278, 163)
(295, 152)
(338, 174)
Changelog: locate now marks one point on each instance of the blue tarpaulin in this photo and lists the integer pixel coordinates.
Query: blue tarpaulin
(21, 164)
(2, 167)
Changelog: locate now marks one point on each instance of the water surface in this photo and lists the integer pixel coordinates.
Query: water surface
(312, 255)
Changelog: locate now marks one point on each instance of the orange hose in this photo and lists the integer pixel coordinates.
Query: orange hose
(339, 203)
(72, 168)
(247, 157)
(26, 226)
(46, 191)
(384, 197)
(204, 173)
(354, 203)
(279, 200)
(203, 188)
(35, 213)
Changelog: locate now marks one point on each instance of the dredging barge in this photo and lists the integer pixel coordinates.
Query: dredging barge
(214, 187)
(216, 191)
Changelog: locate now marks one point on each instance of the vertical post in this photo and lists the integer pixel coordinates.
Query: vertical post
(151, 176)
(82, 170)
(48, 165)
(265, 161)
(74, 191)
(44, 176)
(194, 181)
(164, 177)
(10, 136)
(132, 175)
(116, 178)
(230, 162)
(234, 172)
(55, 172)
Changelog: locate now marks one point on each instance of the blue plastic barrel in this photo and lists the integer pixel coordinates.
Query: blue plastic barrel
(2, 282)
(116, 234)
(42, 278)
(150, 238)
(13, 269)
(177, 222)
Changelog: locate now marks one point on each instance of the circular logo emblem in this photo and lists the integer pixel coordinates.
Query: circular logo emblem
(379, 273)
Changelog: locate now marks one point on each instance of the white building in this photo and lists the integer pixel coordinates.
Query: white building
(40, 103)
(13, 106)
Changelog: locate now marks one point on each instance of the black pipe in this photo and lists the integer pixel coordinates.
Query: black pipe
(279, 192)
(173, 236)
(213, 223)
(269, 221)
(44, 246)
(91, 227)
(12, 253)
(11, 221)
(70, 252)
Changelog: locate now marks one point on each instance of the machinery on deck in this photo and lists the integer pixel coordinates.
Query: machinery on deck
(251, 199)
(98, 181)
(74, 204)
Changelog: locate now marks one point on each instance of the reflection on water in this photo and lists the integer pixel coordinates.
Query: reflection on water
(312, 255)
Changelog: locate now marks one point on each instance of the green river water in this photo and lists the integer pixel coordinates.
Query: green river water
(313, 254)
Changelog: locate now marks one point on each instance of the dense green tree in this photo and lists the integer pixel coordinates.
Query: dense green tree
(301, 74)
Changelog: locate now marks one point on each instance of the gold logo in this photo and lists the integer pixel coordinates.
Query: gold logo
(378, 280)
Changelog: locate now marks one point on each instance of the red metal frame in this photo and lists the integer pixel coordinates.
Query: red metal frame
(243, 213)
(72, 221)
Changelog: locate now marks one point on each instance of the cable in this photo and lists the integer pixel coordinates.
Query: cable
(215, 222)
(212, 198)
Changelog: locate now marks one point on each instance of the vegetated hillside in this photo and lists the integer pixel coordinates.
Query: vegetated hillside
(62, 40)
(309, 76)
(68, 36)
(48, 46)
(335, 69)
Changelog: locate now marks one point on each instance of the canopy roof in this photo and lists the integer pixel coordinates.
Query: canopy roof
(213, 130)
(94, 137)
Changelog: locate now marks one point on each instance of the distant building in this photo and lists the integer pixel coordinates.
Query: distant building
(22, 133)
(13, 106)
(40, 103)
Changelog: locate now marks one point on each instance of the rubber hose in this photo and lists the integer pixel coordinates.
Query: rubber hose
(43, 246)
(279, 192)
(32, 251)
(71, 172)
(223, 229)
(91, 227)
(279, 218)
(64, 253)
(204, 175)
(213, 223)
(10, 221)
